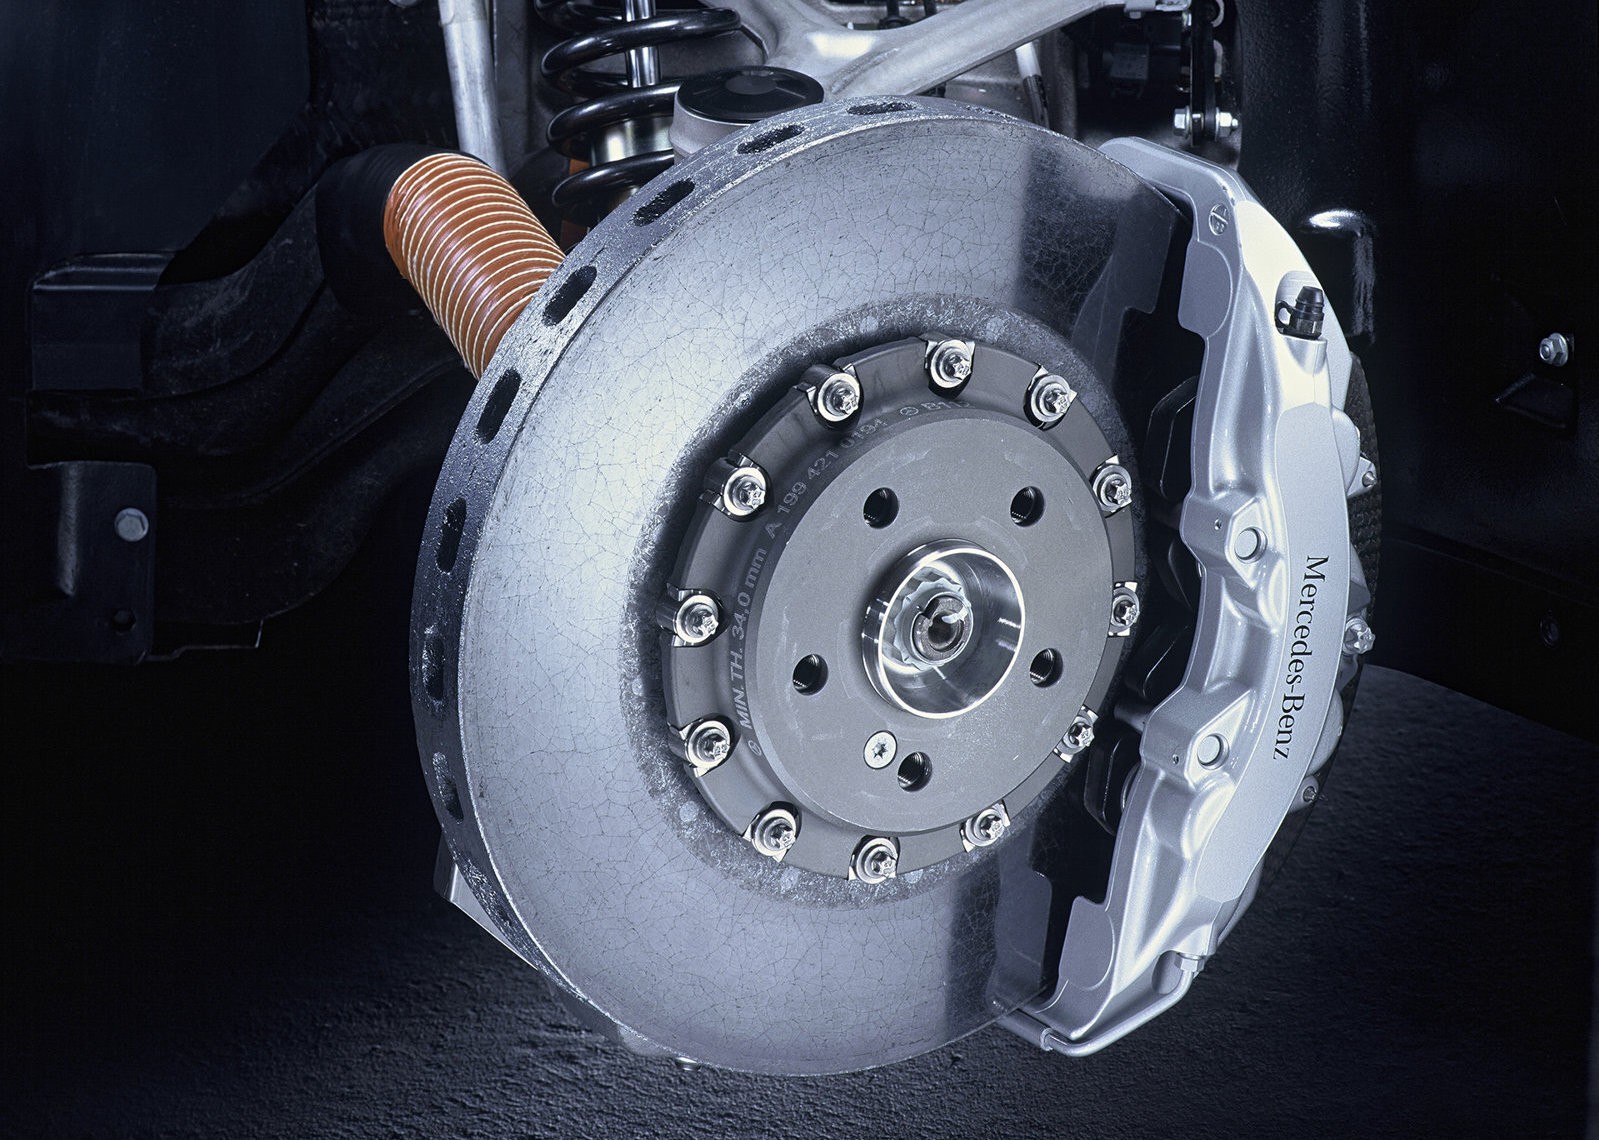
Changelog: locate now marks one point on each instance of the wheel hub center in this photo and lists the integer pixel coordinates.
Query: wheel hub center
(944, 630)
(907, 626)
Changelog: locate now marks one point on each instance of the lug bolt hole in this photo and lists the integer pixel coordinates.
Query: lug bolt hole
(882, 505)
(1046, 667)
(914, 772)
(810, 674)
(1027, 507)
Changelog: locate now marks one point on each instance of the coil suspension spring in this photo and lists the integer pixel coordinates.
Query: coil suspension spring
(618, 105)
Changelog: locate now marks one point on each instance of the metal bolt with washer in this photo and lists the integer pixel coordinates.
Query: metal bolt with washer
(744, 492)
(1124, 610)
(1112, 486)
(697, 619)
(1049, 398)
(709, 742)
(1079, 736)
(774, 831)
(985, 828)
(949, 364)
(1554, 350)
(836, 398)
(876, 860)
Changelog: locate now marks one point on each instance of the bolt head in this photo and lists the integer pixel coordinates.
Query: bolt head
(986, 827)
(881, 748)
(1211, 750)
(1180, 122)
(1113, 488)
(1554, 350)
(876, 860)
(1358, 637)
(697, 620)
(1079, 736)
(1051, 399)
(744, 493)
(131, 524)
(949, 364)
(1124, 610)
(774, 832)
(837, 398)
(709, 743)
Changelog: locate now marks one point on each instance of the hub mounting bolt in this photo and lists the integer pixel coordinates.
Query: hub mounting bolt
(1079, 735)
(774, 831)
(986, 827)
(876, 860)
(881, 748)
(744, 492)
(949, 364)
(697, 619)
(1358, 637)
(1112, 486)
(709, 743)
(1049, 398)
(1124, 610)
(836, 398)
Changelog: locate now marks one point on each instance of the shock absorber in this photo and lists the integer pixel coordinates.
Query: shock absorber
(611, 128)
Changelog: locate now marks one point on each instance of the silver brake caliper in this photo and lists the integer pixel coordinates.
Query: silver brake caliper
(1237, 746)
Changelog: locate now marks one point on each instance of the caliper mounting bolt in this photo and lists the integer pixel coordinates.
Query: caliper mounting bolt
(876, 860)
(774, 831)
(1049, 398)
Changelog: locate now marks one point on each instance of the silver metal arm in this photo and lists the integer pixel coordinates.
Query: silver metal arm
(469, 50)
(804, 36)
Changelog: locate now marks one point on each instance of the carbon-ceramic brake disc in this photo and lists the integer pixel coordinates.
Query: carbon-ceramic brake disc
(591, 491)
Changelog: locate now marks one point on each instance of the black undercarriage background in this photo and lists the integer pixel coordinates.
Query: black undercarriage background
(222, 924)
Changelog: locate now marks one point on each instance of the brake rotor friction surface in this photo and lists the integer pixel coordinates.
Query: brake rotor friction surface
(535, 649)
(798, 579)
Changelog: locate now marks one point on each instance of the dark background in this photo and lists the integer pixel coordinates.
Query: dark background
(222, 923)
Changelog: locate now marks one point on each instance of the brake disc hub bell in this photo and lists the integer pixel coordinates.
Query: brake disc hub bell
(934, 570)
